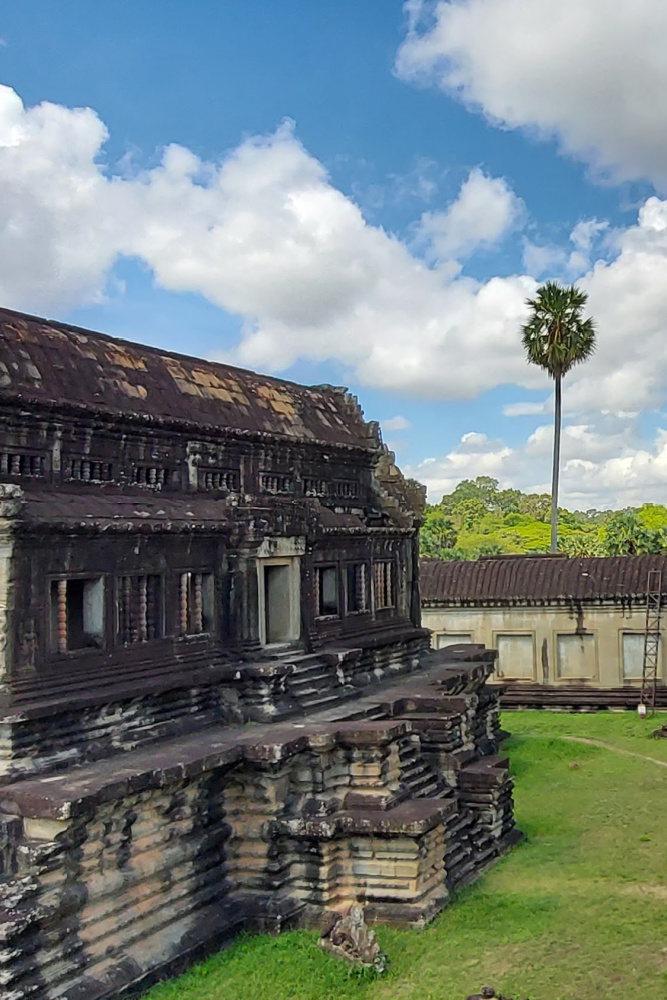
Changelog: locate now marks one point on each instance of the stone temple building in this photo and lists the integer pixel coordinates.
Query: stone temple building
(218, 708)
(568, 631)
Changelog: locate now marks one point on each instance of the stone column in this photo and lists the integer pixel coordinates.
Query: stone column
(246, 599)
(11, 497)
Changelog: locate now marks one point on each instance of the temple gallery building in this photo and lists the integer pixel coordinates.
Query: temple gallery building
(162, 516)
(555, 621)
(219, 710)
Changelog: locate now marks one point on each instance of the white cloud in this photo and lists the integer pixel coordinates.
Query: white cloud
(485, 210)
(396, 424)
(587, 232)
(604, 465)
(523, 409)
(265, 234)
(419, 184)
(539, 259)
(58, 236)
(590, 72)
(561, 262)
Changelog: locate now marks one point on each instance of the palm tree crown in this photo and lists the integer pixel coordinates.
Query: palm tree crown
(557, 337)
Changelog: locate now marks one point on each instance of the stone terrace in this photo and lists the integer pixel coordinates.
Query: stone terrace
(121, 870)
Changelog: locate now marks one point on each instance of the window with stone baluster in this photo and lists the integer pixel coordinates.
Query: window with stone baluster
(139, 613)
(76, 610)
(196, 603)
(356, 588)
(383, 584)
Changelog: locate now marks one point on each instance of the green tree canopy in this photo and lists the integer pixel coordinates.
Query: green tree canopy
(475, 520)
(626, 535)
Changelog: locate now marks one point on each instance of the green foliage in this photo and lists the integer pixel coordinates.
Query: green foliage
(653, 515)
(535, 505)
(469, 513)
(557, 337)
(625, 534)
(574, 913)
(477, 518)
(438, 532)
(580, 543)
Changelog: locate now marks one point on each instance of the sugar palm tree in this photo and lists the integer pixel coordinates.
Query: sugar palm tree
(556, 338)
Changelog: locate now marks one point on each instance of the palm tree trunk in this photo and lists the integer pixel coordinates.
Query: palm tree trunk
(556, 466)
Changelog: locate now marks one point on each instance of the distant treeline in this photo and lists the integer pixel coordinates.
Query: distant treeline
(478, 519)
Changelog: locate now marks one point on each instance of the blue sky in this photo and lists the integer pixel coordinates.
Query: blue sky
(361, 194)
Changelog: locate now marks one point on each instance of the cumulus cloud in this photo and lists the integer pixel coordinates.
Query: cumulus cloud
(605, 464)
(264, 234)
(396, 424)
(589, 72)
(58, 237)
(485, 210)
(563, 262)
(523, 409)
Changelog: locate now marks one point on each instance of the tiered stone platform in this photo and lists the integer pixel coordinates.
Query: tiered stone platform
(118, 871)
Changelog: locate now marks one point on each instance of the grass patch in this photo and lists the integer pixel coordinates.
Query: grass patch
(576, 913)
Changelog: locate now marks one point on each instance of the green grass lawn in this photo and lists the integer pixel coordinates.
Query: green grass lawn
(577, 912)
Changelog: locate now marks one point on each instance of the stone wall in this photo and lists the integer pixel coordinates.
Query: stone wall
(124, 869)
(613, 630)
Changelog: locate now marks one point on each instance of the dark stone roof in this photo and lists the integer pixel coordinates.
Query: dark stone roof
(539, 579)
(52, 363)
(98, 509)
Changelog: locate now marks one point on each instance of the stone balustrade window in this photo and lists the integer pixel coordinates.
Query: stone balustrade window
(383, 584)
(216, 479)
(326, 591)
(156, 476)
(88, 471)
(139, 608)
(315, 487)
(196, 603)
(347, 489)
(276, 484)
(18, 464)
(356, 588)
(77, 614)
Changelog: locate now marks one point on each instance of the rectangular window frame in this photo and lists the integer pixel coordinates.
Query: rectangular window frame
(61, 613)
(566, 679)
(512, 633)
(641, 634)
(327, 610)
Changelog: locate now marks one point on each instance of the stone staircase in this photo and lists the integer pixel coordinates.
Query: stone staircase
(416, 775)
(314, 682)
